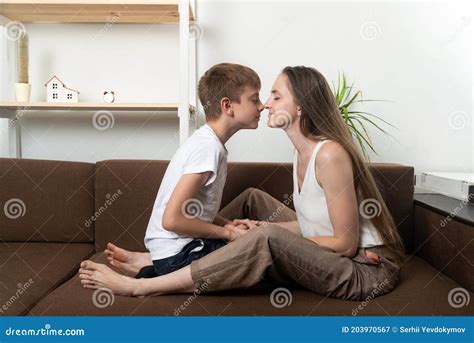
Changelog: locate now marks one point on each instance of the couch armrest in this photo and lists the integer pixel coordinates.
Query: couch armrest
(443, 239)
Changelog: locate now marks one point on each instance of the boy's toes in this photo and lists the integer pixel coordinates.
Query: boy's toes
(91, 286)
(84, 276)
(89, 265)
(83, 272)
(87, 282)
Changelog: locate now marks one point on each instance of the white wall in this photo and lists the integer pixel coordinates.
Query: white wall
(420, 59)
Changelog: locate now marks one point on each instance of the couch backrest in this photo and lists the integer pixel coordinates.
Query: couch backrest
(395, 182)
(134, 185)
(46, 201)
(126, 190)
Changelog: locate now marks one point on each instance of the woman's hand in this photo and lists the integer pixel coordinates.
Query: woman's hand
(240, 227)
(249, 224)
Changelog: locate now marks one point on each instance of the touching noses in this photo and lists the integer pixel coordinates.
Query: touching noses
(267, 105)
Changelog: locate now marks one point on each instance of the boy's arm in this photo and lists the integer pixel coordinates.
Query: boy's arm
(221, 221)
(175, 220)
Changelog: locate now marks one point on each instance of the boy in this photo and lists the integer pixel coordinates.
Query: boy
(184, 225)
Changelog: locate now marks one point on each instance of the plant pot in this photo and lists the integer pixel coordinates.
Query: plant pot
(22, 92)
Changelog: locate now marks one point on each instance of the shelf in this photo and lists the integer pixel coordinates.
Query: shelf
(92, 11)
(82, 106)
(108, 12)
(446, 206)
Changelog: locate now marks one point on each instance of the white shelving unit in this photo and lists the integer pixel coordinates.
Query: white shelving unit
(95, 11)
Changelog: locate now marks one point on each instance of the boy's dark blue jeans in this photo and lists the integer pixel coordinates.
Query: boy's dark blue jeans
(182, 259)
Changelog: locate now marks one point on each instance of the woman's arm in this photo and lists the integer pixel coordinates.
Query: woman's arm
(334, 172)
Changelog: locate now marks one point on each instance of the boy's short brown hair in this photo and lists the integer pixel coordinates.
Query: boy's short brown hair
(224, 80)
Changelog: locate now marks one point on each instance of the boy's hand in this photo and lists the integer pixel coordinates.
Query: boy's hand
(249, 224)
(235, 231)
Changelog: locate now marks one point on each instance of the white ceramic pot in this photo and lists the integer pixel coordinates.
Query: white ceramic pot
(22, 92)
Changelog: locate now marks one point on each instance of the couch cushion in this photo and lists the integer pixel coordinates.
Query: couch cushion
(29, 271)
(134, 185)
(46, 201)
(421, 291)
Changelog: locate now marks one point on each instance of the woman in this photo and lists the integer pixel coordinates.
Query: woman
(330, 245)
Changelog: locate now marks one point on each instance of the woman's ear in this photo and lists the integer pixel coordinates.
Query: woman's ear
(298, 111)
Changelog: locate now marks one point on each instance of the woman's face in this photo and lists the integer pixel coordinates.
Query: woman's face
(282, 111)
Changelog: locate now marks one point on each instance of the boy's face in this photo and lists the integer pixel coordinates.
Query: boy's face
(247, 112)
(282, 110)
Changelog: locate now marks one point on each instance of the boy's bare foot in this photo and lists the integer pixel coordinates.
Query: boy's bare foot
(94, 275)
(128, 261)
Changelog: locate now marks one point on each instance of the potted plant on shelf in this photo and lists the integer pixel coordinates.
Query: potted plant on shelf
(356, 120)
(22, 87)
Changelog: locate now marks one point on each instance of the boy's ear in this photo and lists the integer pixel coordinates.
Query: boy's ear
(226, 106)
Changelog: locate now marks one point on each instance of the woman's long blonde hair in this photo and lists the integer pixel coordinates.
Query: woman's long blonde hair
(321, 119)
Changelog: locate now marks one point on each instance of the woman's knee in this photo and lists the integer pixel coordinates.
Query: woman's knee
(273, 231)
(253, 192)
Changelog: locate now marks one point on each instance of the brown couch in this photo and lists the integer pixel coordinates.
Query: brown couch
(56, 214)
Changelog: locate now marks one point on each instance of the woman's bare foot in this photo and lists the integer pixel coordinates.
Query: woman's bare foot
(128, 261)
(94, 275)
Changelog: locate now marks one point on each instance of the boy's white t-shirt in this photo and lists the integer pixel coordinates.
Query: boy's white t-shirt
(202, 152)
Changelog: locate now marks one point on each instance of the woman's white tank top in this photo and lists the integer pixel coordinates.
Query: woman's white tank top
(312, 211)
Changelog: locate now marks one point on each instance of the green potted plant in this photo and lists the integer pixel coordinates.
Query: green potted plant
(356, 120)
(22, 87)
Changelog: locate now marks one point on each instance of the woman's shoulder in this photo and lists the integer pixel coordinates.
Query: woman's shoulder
(333, 165)
(332, 156)
(332, 152)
